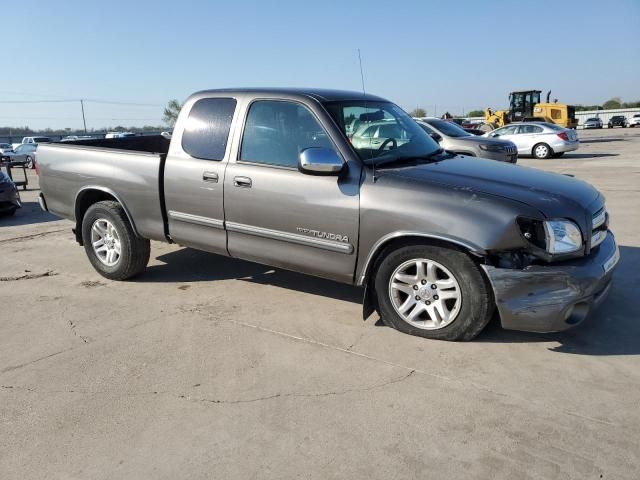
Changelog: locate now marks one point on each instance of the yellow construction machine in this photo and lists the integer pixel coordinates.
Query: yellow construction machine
(525, 105)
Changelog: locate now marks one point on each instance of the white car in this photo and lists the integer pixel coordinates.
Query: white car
(593, 122)
(635, 120)
(540, 139)
(119, 134)
(6, 148)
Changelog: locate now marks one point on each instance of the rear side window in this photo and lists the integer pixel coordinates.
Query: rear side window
(207, 130)
(530, 129)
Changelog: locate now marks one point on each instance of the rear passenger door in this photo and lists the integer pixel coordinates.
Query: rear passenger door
(194, 174)
(280, 216)
(528, 136)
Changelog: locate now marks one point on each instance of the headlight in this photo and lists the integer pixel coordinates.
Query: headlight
(491, 147)
(563, 236)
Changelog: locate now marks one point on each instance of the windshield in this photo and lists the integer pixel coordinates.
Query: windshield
(449, 129)
(5, 145)
(381, 131)
(592, 119)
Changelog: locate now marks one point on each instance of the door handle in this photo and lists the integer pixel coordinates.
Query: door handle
(244, 182)
(210, 177)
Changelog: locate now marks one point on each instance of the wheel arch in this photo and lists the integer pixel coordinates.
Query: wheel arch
(89, 195)
(398, 239)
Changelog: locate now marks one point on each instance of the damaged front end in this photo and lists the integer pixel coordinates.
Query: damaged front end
(536, 296)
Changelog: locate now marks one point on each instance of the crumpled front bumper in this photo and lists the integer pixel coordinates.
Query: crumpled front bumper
(553, 298)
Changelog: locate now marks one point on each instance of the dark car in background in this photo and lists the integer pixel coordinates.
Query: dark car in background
(9, 196)
(617, 121)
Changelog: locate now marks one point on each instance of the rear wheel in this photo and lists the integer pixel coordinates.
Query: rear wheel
(29, 162)
(112, 246)
(542, 151)
(433, 292)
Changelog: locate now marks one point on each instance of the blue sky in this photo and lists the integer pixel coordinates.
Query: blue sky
(445, 55)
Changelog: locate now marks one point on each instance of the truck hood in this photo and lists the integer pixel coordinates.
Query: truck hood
(554, 195)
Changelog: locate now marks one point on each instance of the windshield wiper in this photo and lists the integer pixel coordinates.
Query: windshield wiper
(434, 156)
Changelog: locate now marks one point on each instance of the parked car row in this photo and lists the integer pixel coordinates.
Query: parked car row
(614, 121)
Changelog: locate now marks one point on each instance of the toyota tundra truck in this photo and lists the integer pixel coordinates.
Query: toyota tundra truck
(438, 241)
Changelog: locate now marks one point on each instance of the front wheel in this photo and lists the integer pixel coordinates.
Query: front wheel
(433, 292)
(542, 151)
(112, 246)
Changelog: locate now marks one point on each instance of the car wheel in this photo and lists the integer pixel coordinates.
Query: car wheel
(433, 292)
(542, 151)
(112, 246)
(29, 162)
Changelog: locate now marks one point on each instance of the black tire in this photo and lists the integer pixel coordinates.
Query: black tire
(134, 250)
(477, 304)
(558, 155)
(535, 153)
(29, 162)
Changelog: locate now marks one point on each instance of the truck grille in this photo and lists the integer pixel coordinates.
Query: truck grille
(599, 227)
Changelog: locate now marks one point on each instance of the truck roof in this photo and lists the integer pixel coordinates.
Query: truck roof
(320, 94)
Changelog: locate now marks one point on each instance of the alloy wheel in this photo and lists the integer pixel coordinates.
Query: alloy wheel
(425, 294)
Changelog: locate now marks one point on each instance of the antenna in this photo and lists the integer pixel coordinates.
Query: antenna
(361, 74)
(364, 97)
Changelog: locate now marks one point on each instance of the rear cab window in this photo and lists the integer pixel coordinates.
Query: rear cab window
(206, 132)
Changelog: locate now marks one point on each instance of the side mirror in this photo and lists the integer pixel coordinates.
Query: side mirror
(435, 136)
(320, 161)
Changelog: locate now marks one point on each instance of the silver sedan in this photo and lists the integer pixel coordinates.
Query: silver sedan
(540, 139)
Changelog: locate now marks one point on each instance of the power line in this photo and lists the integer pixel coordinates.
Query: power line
(89, 100)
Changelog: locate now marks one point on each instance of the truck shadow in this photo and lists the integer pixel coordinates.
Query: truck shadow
(188, 265)
(29, 214)
(612, 329)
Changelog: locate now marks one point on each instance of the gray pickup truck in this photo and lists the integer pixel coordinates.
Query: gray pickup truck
(439, 241)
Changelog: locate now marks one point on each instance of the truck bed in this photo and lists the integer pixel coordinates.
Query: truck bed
(128, 169)
(149, 143)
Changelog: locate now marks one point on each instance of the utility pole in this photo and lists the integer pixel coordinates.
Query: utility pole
(83, 119)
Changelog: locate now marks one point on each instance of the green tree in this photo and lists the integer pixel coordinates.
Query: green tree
(418, 112)
(614, 102)
(475, 113)
(171, 112)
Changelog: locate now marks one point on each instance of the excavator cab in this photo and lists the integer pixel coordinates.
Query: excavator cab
(521, 105)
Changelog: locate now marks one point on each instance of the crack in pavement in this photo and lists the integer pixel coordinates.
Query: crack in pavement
(220, 401)
(29, 276)
(34, 235)
(84, 338)
(462, 382)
